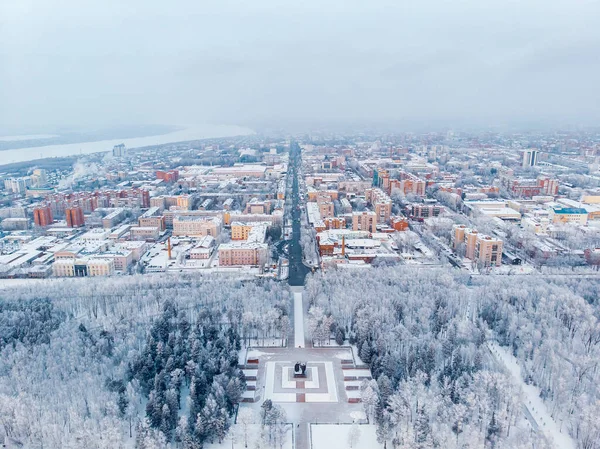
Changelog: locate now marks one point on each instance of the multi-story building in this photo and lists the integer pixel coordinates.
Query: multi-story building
(167, 176)
(422, 211)
(15, 224)
(408, 184)
(17, 185)
(39, 177)
(152, 218)
(256, 206)
(196, 226)
(529, 158)
(478, 247)
(488, 250)
(240, 230)
(145, 233)
(381, 204)
(399, 223)
(42, 216)
(242, 253)
(203, 249)
(334, 222)
(326, 209)
(527, 188)
(73, 267)
(113, 218)
(575, 215)
(119, 150)
(74, 215)
(364, 221)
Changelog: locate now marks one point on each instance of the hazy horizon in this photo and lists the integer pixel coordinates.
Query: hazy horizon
(256, 64)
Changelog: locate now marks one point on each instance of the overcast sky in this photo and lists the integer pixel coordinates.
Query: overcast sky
(101, 62)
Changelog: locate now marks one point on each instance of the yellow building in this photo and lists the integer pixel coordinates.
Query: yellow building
(240, 231)
(575, 215)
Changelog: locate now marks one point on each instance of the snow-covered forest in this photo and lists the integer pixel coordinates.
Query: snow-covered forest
(152, 361)
(136, 362)
(425, 332)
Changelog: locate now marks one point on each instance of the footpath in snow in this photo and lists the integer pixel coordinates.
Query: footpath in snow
(533, 402)
(298, 321)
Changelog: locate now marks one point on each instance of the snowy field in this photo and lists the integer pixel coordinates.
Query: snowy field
(533, 402)
(332, 436)
(236, 439)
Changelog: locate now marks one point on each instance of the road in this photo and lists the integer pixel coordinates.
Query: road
(298, 270)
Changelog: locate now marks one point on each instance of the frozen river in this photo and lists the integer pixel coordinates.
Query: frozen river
(189, 133)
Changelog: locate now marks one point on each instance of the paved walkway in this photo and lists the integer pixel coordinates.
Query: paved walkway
(298, 319)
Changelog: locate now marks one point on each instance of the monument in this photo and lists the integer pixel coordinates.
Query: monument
(300, 369)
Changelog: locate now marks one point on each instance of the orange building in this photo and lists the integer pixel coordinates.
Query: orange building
(167, 176)
(408, 184)
(75, 218)
(399, 223)
(42, 216)
(334, 223)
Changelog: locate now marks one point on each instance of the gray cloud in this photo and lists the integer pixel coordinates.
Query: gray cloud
(267, 61)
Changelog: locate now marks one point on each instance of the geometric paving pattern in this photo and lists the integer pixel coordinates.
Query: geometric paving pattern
(318, 385)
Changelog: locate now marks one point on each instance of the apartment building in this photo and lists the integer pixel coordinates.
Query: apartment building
(478, 247)
(423, 211)
(196, 226)
(145, 233)
(241, 230)
(488, 250)
(242, 253)
(364, 221)
(381, 204)
(75, 218)
(113, 218)
(42, 216)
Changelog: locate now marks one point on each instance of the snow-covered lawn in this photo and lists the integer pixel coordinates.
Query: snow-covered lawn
(353, 394)
(533, 402)
(267, 342)
(332, 436)
(298, 321)
(235, 439)
(357, 372)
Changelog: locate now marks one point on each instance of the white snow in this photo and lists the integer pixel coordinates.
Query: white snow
(248, 394)
(255, 353)
(353, 394)
(298, 321)
(357, 372)
(534, 404)
(235, 438)
(358, 415)
(332, 436)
